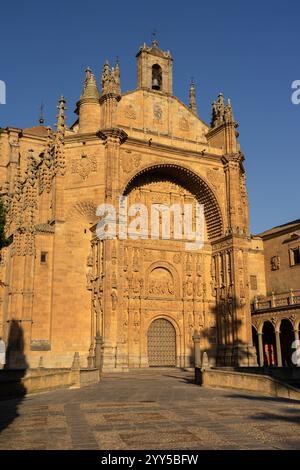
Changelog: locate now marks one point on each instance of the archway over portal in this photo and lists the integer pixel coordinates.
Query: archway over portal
(188, 180)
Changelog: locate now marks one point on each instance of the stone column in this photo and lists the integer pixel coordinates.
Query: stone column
(297, 352)
(112, 292)
(278, 348)
(98, 350)
(197, 355)
(260, 349)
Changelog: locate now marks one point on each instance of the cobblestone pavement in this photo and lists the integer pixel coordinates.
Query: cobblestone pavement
(160, 409)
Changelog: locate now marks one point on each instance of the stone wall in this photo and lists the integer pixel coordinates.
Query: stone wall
(18, 382)
(260, 384)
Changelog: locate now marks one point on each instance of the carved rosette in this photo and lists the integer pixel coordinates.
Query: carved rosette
(84, 166)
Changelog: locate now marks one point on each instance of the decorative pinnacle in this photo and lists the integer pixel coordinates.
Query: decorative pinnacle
(228, 114)
(111, 79)
(192, 95)
(60, 125)
(222, 113)
(105, 76)
(90, 89)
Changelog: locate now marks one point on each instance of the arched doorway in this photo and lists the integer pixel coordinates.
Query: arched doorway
(286, 339)
(161, 344)
(269, 342)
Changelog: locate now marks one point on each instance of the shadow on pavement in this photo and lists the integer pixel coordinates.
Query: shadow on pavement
(12, 390)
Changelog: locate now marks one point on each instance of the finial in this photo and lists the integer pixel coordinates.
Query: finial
(88, 74)
(117, 75)
(154, 38)
(41, 119)
(192, 95)
(228, 114)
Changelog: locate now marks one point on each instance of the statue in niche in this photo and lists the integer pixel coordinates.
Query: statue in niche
(189, 288)
(114, 299)
(89, 261)
(198, 287)
(89, 280)
(201, 320)
(191, 321)
(275, 263)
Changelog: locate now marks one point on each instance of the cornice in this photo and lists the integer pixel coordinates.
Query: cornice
(204, 154)
(114, 132)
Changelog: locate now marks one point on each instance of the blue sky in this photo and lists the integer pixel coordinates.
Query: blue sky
(247, 50)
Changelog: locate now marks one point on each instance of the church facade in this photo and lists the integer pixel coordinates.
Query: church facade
(126, 302)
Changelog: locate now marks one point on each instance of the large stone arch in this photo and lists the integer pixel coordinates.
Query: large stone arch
(190, 181)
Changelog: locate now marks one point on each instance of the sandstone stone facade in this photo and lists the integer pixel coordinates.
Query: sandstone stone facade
(276, 299)
(71, 292)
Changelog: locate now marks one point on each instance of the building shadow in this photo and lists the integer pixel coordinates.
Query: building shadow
(263, 398)
(289, 415)
(224, 339)
(187, 380)
(12, 389)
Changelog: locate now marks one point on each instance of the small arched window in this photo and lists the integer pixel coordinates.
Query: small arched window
(156, 77)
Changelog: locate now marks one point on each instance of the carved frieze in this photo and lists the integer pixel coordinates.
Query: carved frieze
(161, 283)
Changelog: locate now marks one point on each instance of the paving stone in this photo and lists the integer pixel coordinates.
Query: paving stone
(149, 410)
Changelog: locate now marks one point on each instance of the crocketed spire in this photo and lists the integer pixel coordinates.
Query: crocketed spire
(192, 95)
(90, 89)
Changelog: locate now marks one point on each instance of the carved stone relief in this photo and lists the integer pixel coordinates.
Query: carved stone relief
(183, 124)
(130, 162)
(161, 283)
(130, 112)
(275, 263)
(84, 166)
(157, 112)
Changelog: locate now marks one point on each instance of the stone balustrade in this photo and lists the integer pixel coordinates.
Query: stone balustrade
(274, 300)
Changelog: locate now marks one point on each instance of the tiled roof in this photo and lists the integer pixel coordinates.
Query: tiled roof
(40, 131)
(289, 226)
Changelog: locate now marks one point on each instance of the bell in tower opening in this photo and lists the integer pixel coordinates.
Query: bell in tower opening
(156, 77)
(154, 68)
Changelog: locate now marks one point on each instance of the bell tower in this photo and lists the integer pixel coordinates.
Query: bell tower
(154, 68)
